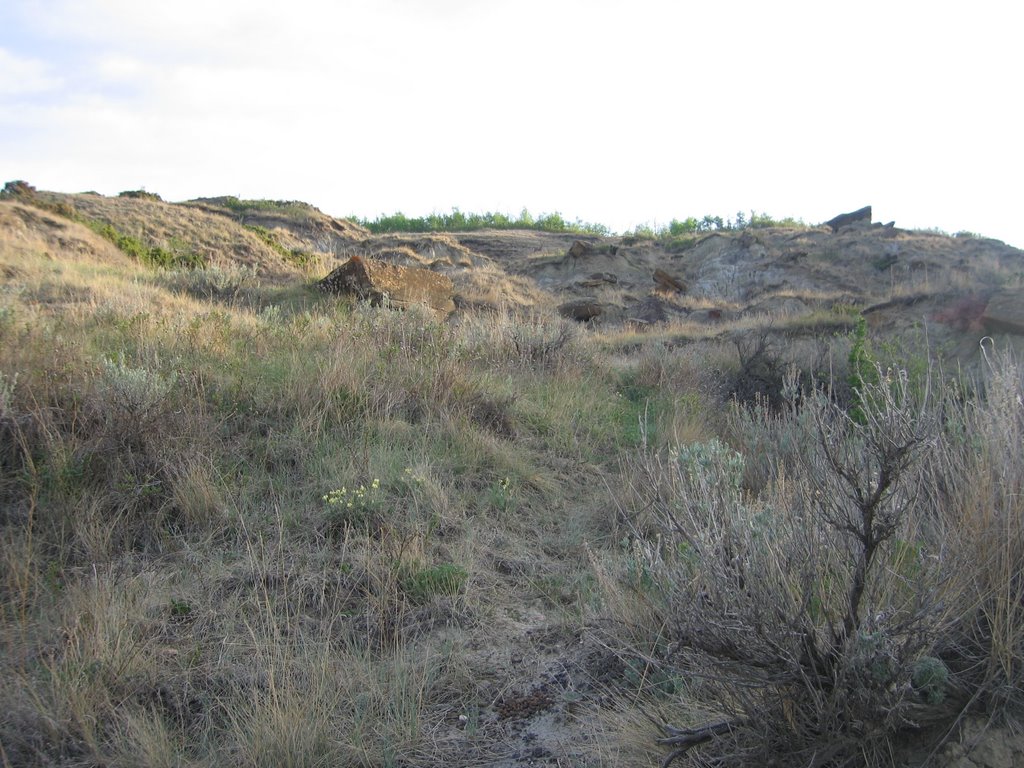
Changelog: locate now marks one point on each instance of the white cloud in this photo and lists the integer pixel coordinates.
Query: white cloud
(21, 75)
(120, 68)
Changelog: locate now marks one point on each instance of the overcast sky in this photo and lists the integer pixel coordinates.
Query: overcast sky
(622, 113)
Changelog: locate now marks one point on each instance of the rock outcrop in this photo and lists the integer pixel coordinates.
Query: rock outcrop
(1005, 313)
(861, 215)
(397, 286)
(598, 279)
(579, 249)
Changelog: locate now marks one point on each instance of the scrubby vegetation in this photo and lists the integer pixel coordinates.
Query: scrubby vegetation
(175, 255)
(832, 578)
(242, 523)
(680, 228)
(141, 194)
(294, 209)
(457, 221)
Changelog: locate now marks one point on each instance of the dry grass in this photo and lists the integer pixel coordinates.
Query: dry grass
(160, 423)
(220, 241)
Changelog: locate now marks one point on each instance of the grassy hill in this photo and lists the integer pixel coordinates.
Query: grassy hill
(245, 523)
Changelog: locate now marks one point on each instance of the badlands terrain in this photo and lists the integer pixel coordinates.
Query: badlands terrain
(734, 494)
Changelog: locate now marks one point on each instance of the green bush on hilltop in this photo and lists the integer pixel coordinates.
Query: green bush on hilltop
(295, 209)
(679, 228)
(17, 190)
(457, 221)
(141, 194)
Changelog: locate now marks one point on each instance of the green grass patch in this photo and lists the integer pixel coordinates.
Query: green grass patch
(421, 584)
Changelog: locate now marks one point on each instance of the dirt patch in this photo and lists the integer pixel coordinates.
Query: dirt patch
(976, 743)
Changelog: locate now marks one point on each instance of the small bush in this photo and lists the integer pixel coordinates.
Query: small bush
(18, 190)
(930, 678)
(141, 194)
(136, 393)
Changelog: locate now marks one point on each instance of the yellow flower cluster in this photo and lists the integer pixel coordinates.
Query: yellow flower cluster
(358, 497)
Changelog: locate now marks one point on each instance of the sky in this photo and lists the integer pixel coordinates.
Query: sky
(623, 113)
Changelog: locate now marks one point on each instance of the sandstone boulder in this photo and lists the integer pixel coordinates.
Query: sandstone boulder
(581, 309)
(579, 249)
(398, 286)
(1005, 313)
(860, 216)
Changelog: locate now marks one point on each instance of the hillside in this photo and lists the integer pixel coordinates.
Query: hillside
(801, 277)
(764, 500)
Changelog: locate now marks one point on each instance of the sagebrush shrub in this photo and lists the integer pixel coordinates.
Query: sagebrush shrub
(836, 605)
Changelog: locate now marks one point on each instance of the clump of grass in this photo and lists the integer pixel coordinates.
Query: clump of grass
(422, 583)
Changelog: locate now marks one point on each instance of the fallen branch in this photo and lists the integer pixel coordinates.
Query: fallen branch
(683, 739)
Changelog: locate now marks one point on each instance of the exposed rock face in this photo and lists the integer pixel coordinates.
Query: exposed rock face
(581, 309)
(578, 249)
(669, 282)
(598, 279)
(401, 286)
(1005, 313)
(861, 215)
